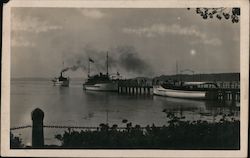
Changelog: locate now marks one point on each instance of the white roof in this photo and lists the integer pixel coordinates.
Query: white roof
(197, 83)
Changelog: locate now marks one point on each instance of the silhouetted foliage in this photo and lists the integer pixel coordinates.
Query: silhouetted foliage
(124, 121)
(178, 134)
(232, 14)
(15, 142)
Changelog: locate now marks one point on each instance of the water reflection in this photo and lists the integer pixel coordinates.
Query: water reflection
(200, 109)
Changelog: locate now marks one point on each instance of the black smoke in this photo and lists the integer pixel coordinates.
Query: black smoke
(130, 60)
(123, 58)
(75, 67)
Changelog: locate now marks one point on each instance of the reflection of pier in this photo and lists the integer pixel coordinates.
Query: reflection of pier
(228, 91)
(229, 94)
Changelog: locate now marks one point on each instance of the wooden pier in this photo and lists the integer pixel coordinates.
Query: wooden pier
(227, 91)
(135, 88)
(140, 90)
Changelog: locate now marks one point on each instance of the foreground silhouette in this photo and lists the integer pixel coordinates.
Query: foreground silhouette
(177, 135)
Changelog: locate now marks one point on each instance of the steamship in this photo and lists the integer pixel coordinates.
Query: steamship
(101, 82)
(61, 81)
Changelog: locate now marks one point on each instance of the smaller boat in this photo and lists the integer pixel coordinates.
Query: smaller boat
(188, 90)
(61, 81)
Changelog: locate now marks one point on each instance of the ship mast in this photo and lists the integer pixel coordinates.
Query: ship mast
(107, 64)
(88, 68)
(177, 71)
(176, 67)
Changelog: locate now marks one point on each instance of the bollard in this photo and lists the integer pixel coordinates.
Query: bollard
(37, 116)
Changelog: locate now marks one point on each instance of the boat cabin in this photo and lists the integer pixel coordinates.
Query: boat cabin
(98, 79)
(194, 86)
(200, 85)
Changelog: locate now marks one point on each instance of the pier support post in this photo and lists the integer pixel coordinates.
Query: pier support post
(37, 116)
(224, 96)
(233, 96)
(238, 96)
(220, 96)
(148, 90)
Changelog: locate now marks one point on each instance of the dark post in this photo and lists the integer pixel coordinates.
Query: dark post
(37, 116)
(148, 90)
(219, 96)
(224, 95)
(233, 95)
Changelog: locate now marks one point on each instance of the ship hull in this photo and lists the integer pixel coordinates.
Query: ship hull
(61, 83)
(102, 87)
(159, 90)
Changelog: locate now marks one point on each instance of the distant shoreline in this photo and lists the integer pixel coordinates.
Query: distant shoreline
(235, 76)
(40, 79)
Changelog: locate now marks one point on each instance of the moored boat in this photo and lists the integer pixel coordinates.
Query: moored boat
(101, 82)
(188, 90)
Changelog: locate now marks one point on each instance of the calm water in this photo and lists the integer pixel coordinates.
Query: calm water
(72, 106)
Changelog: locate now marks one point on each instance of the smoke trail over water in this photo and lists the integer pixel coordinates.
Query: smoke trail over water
(123, 58)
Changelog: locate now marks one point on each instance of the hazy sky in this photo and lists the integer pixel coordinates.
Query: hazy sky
(140, 42)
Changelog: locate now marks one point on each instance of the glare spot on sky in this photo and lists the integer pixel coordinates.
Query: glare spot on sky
(192, 52)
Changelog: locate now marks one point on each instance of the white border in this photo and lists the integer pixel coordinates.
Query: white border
(244, 59)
